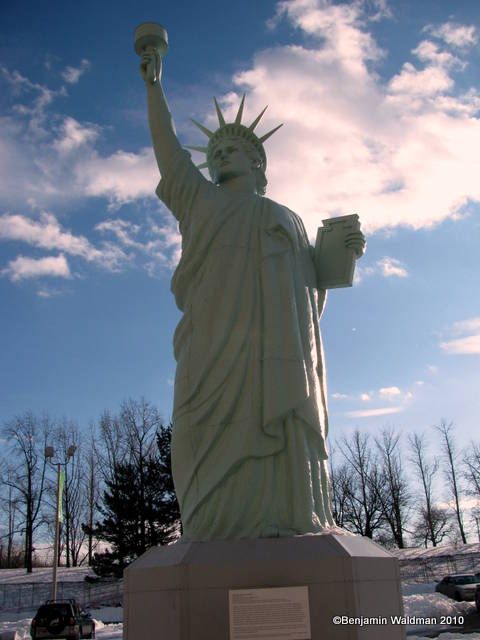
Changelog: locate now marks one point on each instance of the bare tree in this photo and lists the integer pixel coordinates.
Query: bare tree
(393, 492)
(140, 421)
(341, 482)
(26, 440)
(112, 445)
(472, 465)
(128, 438)
(426, 472)
(475, 517)
(91, 488)
(452, 473)
(364, 513)
(9, 506)
(435, 525)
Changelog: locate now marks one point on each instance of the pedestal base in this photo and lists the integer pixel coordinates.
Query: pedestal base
(181, 592)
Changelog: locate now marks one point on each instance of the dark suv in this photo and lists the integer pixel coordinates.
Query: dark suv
(62, 619)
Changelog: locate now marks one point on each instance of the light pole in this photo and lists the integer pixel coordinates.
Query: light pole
(49, 454)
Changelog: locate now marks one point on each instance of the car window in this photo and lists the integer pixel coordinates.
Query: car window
(466, 580)
(53, 610)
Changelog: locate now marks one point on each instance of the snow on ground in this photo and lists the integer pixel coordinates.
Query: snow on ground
(420, 600)
(108, 623)
(432, 552)
(108, 614)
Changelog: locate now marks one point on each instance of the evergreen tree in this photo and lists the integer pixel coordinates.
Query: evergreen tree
(139, 510)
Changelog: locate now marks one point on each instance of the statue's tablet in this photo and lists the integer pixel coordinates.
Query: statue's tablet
(334, 262)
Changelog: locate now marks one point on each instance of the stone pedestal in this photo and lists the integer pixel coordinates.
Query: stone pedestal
(181, 592)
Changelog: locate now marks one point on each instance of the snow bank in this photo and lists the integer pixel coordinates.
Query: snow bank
(435, 605)
(103, 631)
(108, 614)
(420, 600)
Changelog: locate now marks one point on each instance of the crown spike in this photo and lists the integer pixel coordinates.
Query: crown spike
(195, 148)
(206, 131)
(270, 133)
(221, 119)
(257, 119)
(238, 119)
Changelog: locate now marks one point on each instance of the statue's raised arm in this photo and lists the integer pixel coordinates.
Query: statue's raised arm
(162, 129)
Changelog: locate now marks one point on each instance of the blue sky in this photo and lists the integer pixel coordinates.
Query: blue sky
(380, 103)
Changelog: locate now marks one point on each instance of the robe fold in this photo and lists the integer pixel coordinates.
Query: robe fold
(250, 416)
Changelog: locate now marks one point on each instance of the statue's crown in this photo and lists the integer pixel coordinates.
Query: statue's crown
(231, 130)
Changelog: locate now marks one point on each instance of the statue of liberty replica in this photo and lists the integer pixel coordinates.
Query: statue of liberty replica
(250, 422)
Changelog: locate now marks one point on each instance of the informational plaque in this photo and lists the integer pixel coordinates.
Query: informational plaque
(334, 262)
(279, 613)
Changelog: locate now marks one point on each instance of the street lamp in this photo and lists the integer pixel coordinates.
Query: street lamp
(49, 455)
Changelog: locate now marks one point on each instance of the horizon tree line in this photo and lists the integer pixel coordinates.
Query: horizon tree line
(119, 494)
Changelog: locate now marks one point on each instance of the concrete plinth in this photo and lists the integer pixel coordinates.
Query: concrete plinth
(181, 592)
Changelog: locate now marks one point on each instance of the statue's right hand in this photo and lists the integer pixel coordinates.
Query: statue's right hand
(151, 66)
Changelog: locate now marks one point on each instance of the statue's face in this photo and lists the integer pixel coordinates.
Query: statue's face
(230, 160)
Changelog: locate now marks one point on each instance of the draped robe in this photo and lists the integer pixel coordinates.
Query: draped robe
(250, 417)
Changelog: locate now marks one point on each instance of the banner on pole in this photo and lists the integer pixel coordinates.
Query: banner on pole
(61, 484)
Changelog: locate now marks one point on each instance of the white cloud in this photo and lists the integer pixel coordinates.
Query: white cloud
(46, 233)
(369, 413)
(386, 267)
(399, 152)
(428, 51)
(49, 292)
(74, 135)
(467, 345)
(420, 83)
(163, 246)
(170, 240)
(389, 392)
(38, 97)
(53, 158)
(338, 27)
(456, 35)
(72, 74)
(467, 326)
(392, 267)
(121, 177)
(339, 396)
(23, 268)
(123, 230)
(465, 503)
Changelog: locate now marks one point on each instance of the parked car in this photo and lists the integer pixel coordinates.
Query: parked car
(62, 619)
(459, 587)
